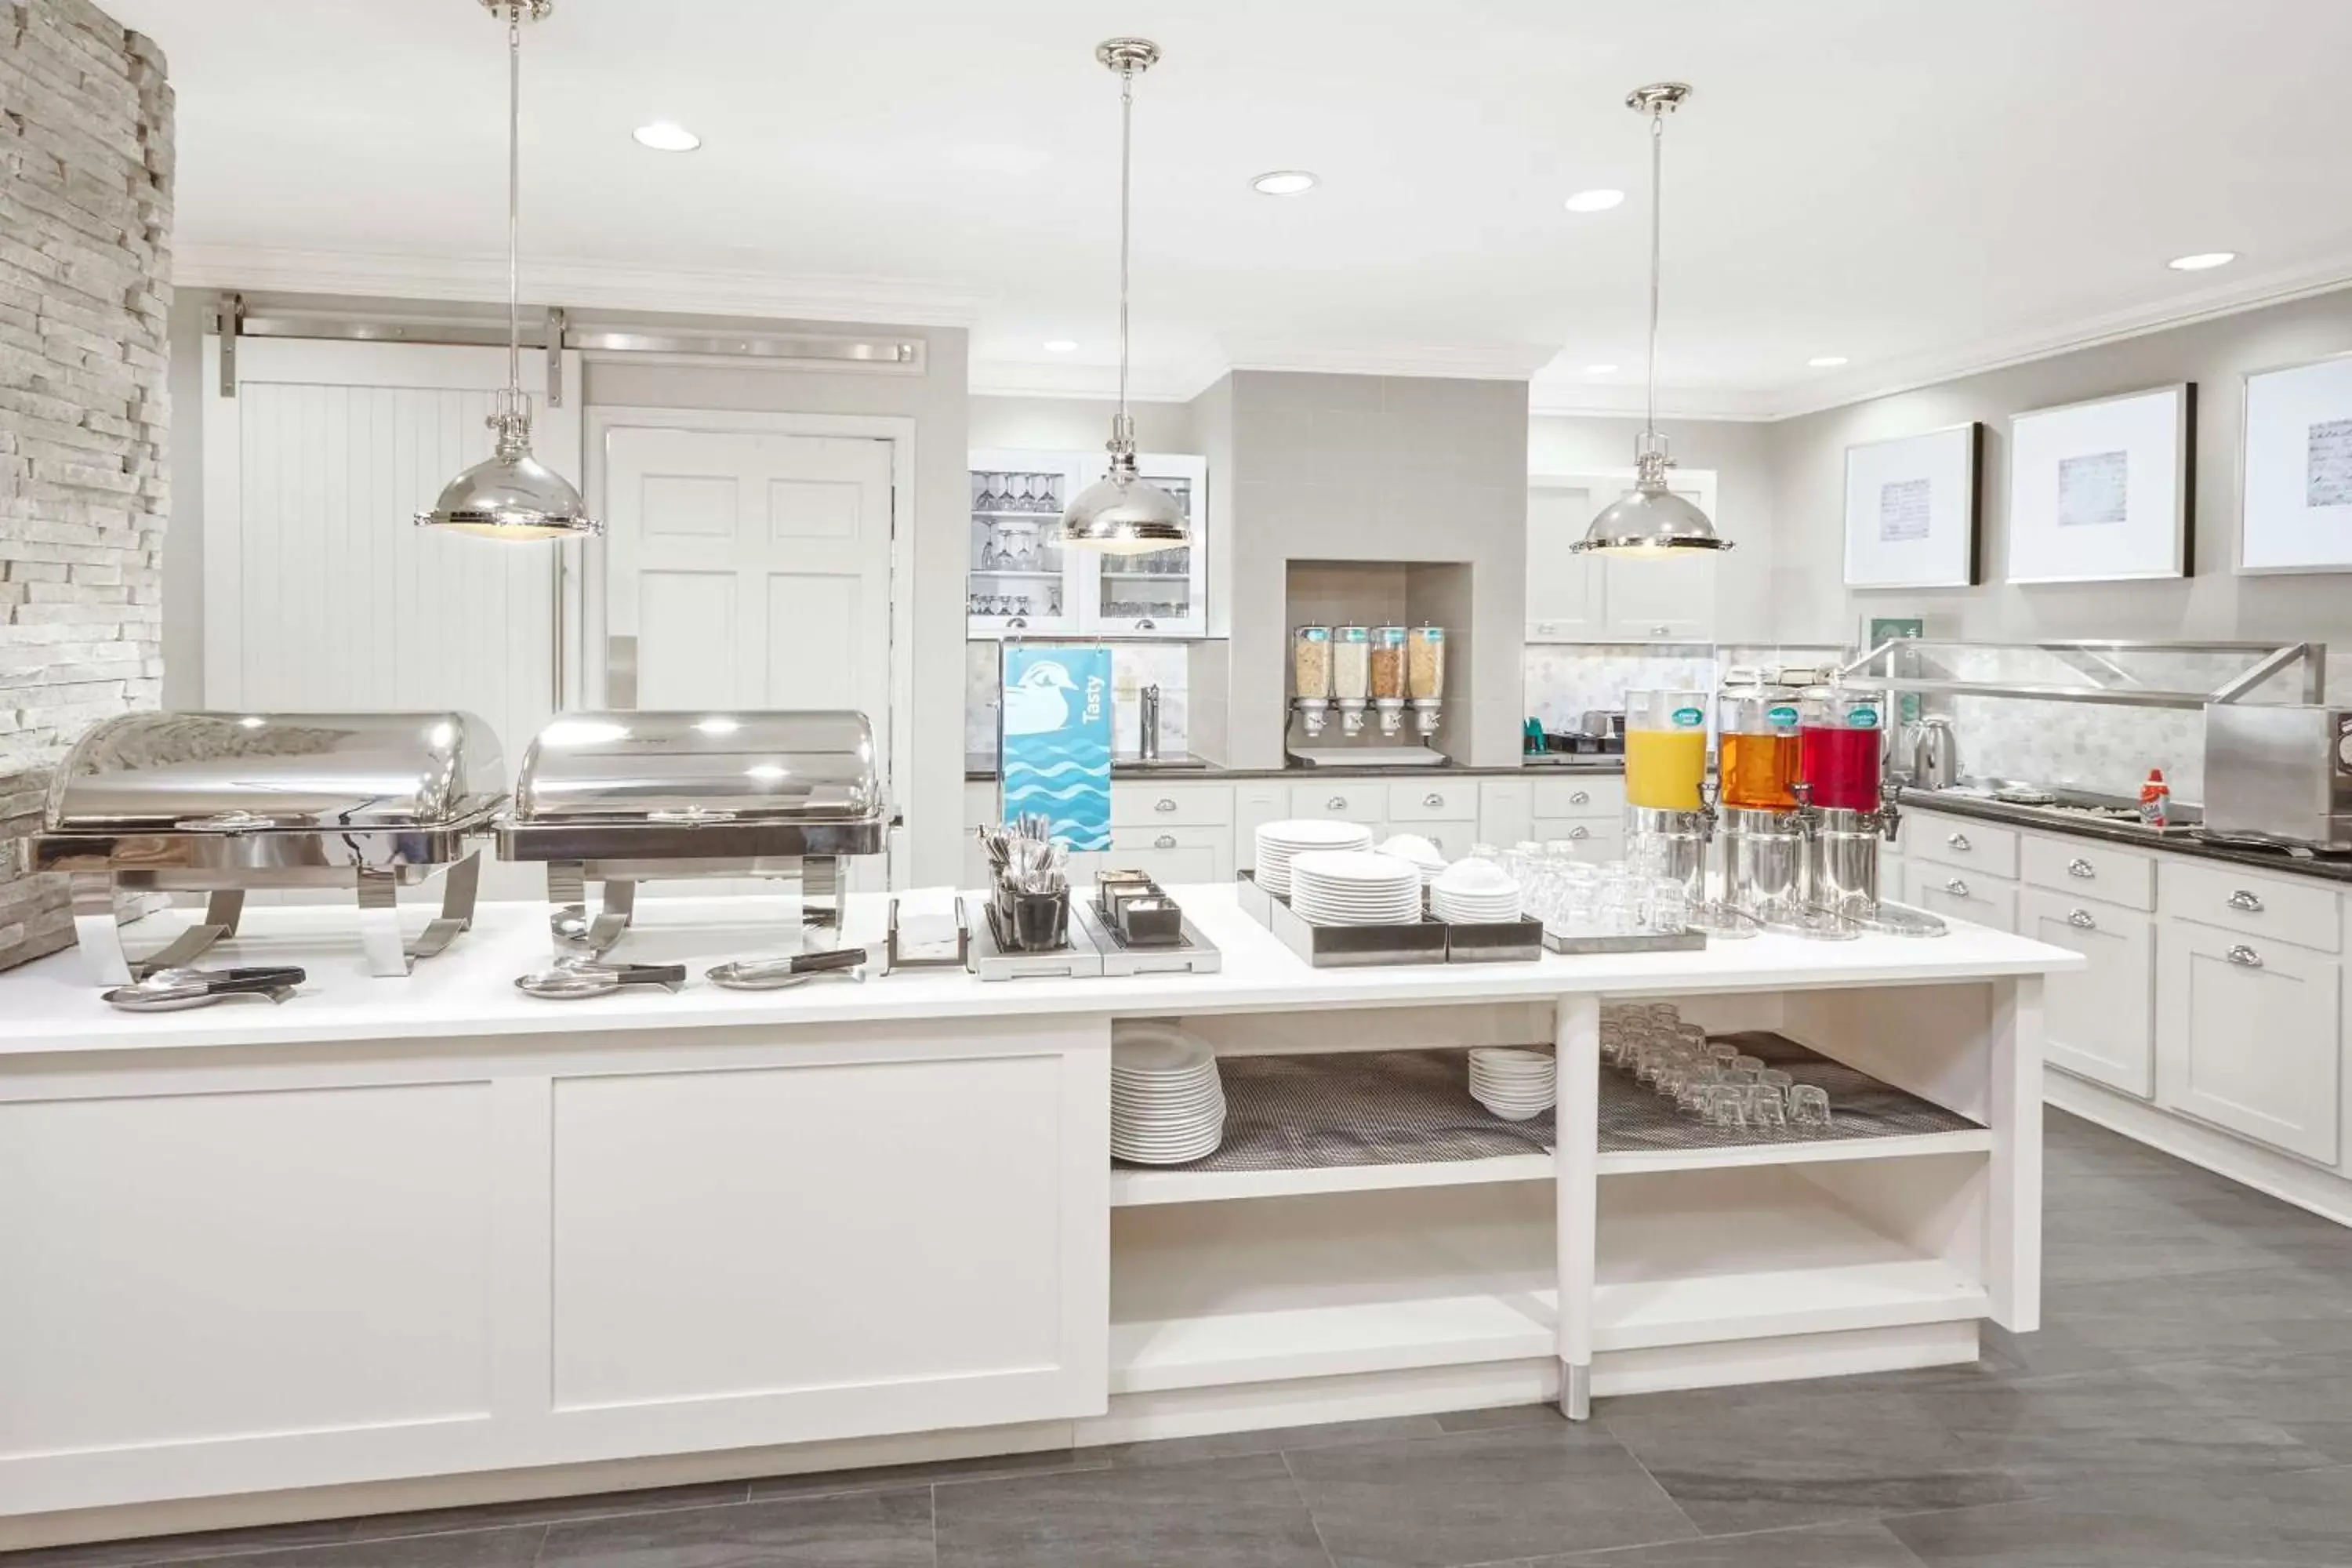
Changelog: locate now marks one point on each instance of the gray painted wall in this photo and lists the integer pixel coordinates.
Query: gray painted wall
(1808, 458)
(1077, 423)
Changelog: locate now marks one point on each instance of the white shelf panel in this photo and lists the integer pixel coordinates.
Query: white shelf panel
(1975, 1140)
(1705, 1256)
(1211, 1294)
(1139, 1188)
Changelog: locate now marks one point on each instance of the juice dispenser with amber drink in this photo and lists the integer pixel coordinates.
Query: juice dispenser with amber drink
(1665, 781)
(1761, 834)
(1840, 742)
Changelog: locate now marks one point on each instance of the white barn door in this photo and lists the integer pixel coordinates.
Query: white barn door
(319, 592)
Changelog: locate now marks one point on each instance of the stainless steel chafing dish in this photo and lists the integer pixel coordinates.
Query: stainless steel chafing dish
(224, 802)
(624, 798)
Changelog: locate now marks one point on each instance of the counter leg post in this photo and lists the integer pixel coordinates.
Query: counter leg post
(2013, 1243)
(1576, 1167)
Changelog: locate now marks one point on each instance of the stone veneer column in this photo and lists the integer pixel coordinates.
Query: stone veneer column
(85, 262)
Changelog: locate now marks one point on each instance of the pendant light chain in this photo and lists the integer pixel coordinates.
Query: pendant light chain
(1126, 182)
(514, 200)
(1658, 200)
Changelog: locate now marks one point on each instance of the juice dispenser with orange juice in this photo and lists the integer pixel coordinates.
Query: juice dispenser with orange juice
(1666, 809)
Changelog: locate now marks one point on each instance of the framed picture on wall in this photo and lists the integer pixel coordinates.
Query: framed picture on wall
(2100, 491)
(2296, 480)
(1912, 511)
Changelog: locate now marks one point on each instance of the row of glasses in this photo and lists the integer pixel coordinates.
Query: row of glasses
(1010, 604)
(1016, 492)
(1708, 1078)
(1574, 897)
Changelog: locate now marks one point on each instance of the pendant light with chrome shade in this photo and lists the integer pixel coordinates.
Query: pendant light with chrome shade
(512, 494)
(1123, 513)
(1650, 519)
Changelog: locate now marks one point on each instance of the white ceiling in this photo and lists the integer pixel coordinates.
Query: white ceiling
(1922, 186)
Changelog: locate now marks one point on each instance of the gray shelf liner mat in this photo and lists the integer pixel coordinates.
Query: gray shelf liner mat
(1403, 1107)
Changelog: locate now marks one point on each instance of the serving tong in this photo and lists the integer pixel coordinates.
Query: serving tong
(782, 974)
(576, 979)
(171, 989)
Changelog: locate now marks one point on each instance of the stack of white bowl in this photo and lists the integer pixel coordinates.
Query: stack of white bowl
(1474, 893)
(1280, 842)
(1167, 1103)
(1425, 856)
(1514, 1084)
(1354, 888)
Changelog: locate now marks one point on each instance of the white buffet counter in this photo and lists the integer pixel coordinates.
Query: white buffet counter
(402, 1242)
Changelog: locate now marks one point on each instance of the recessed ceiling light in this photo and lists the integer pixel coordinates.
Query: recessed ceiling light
(1061, 346)
(1599, 369)
(2202, 260)
(1595, 201)
(664, 136)
(1826, 362)
(1282, 183)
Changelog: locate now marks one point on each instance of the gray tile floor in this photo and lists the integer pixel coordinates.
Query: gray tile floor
(2190, 1403)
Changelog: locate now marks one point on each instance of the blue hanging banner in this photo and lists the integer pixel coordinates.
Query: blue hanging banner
(1054, 740)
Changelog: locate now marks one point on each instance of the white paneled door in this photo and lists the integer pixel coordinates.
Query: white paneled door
(320, 593)
(749, 569)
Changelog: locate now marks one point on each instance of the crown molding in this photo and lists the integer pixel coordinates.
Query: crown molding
(1569, 398)
(579, 285)
(1481, 362)
(1911, 372)
(1161, 383)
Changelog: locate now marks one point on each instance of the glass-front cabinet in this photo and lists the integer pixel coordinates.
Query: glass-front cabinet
(1021, 582)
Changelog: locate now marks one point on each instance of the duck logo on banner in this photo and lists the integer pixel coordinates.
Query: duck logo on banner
(1054, 741)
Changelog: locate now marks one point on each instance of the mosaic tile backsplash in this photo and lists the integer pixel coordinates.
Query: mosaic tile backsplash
(1134, 665)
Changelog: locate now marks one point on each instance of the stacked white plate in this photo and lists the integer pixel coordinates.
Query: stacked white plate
(1167, 1103)
(1513, 1084)
(1279, 842)
(1354, 888)
(1474, 893)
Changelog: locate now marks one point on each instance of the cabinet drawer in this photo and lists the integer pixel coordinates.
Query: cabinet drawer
(1982, 846)
(2081, 869)
(1962, 895)
(1456, 801)
(1598, 842)
(1170, 805)
(2248, 1036)
(1172, 855)
(2098, 1022)
(2306, 913)
(1343, 800)
(1594, 794)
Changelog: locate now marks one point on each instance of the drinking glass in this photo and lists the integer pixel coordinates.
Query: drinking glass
(1669, 905)
(1809, 1105)
(1776, 1080)
(1751, 1066)
(1727, 1106)
(1765, 1108)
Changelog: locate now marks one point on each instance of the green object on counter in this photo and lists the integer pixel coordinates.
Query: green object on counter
(1534, 744)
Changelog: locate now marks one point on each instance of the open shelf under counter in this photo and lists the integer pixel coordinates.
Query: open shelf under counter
(1374, 1120)
(1702, 1256)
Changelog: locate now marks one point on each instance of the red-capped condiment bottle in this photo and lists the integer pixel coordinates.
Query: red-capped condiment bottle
(2154, 799)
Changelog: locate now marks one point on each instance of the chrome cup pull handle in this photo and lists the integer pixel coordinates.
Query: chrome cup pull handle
(2081, 921)
(1337, 803)
(1957, 887)
(1580, 798)
(1163, 803)
(2078, 867)
(2242, 900)
(1579, 833)
(1960, 841)
(2244, 957)
(1165, 841)
(1433, 800)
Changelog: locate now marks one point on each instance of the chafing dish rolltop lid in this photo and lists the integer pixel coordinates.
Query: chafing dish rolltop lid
(222, 803)
(631, 796)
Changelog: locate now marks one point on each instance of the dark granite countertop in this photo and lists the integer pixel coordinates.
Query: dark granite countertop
(2337, 868)
(979, 768)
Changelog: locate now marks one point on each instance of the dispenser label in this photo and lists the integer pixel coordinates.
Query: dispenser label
(1054, 740)
(1392, 637)
(1688, 718)
(1781, 718)
(1313, 633)
(1354, 634)
(1863, 717)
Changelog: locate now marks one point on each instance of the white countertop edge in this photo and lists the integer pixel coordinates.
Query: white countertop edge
(50, 1007)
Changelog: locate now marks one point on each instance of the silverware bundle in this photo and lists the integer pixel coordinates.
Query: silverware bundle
(1025, 858)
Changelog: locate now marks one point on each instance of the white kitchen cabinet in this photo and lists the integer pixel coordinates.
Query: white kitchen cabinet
(1591, 839)
(1575, 597)
(1173, 855)
(1255, 804)
(2098, 1023)
(1943, 889)
(2249, 1036)
(1507, 811)
(1021, 582)
(1581, 796)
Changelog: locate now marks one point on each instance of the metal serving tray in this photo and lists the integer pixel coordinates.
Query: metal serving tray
(1425, 941)
(224, 802)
